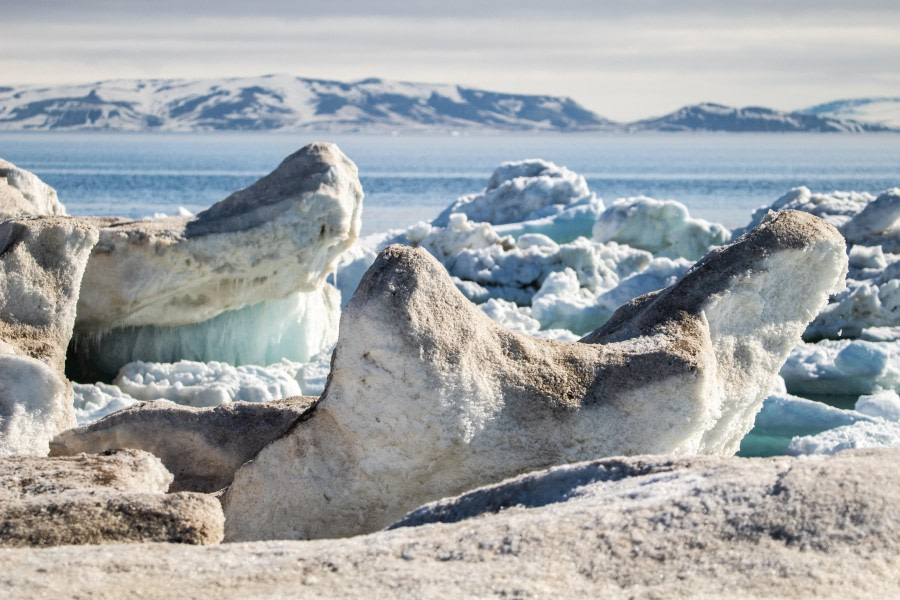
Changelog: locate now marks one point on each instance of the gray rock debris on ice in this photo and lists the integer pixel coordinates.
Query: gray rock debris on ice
(23, 194)
(201, 447)
(96, 499)
(277, 239)
(428, 397)
(41, 264)
(642, 527)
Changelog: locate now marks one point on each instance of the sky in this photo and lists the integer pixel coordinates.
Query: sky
(623, 59)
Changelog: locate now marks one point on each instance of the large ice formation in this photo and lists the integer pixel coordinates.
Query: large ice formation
(23, 194)
(428, 397)
(42, 260)
(265, 250)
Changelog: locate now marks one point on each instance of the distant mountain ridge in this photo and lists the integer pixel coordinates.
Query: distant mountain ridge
(881, 110)
(288, 103)
(717, 117)
(283, 102)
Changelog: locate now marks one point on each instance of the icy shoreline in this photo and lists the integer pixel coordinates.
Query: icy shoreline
(541, 254)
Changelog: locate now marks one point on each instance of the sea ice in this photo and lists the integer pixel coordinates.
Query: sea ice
(662, 227)
(843, 367)
(93, 401)
(884, 404)
(41, 263)
(866, 434)
(520, 191)
(835, 208)
(208, 384)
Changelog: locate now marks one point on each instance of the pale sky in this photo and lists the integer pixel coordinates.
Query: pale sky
(624, 59)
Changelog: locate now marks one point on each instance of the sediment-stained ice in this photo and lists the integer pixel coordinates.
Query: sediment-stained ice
(233, 282)
(41, 263)
(427, 396)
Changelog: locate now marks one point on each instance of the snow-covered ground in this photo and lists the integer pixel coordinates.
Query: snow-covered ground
(541, 254)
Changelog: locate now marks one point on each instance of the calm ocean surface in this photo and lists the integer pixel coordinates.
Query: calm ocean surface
(408, 178)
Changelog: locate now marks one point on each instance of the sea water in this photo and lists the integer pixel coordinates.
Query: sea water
(408, 178)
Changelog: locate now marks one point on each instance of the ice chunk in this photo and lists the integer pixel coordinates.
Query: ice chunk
(22, 194)
(520, 191)
(835, 208)
(867, 257)
(884, 404)
(33, 398)
(865, 305)
(661, 226)
(877, 223)
(843, 367)
(95, 401)
(41, 263)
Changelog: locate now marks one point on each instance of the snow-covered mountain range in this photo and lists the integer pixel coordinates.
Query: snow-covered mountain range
(885, 111)
(717, 117)
(288, 103)
(282, 102)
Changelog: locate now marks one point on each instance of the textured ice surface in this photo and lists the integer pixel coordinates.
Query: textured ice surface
(870, 306)
(207, 384)
(867, 434)
(22, 193)
(661, 226)
(843, 367)
(520, 191)
(95, 401)
(31, 394)
(884, 404)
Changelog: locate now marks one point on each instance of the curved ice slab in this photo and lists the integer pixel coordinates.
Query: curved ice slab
(279, 236)
(428, 397)
(41, 263)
